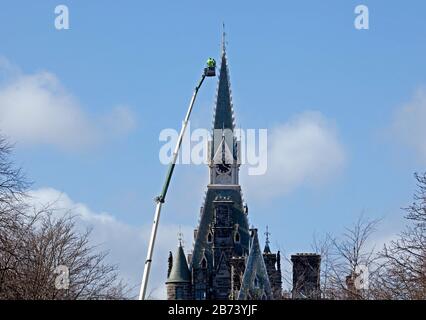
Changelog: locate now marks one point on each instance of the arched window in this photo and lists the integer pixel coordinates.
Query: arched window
(204, 263)
(256, 282)
(209, 238)
(237, 237)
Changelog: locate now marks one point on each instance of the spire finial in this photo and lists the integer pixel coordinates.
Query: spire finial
(267, 234)
(223, 38)
(180, 236)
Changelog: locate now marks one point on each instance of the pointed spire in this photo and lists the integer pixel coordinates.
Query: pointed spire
(179, 271)
(224, 114)
(255, 269)
(267, 234)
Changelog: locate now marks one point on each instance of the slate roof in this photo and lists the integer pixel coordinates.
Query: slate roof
(255, 271)
(201, 247)
(224, 114)
(267, 249)
(180, 271)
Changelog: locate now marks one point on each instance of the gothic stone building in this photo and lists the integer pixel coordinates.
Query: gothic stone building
(226, 261)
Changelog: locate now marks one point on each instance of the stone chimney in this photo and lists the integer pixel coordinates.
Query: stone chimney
(306, 276)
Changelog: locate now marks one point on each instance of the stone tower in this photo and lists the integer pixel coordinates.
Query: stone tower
(179, 278)
(223, 230)
(226, 261)
(273, 267)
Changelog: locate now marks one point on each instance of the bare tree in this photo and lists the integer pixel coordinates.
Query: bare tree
(345, 258)
(51, 243)
(323, 247)
(42, 254)
(403, 270)
(12, 180)
(286, 273)
(13, 220)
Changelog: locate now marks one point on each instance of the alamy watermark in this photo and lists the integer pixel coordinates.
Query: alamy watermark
(362, 275)
(62, 20)
(239, 146)
(362, 20)
(62, 280)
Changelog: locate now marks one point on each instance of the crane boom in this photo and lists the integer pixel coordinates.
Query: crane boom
(208, 72)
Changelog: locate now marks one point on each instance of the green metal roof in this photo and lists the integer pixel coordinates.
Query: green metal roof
(180, 271)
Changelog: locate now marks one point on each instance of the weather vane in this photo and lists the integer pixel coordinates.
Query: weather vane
(180, 236)
(223, 37)
(267, 234)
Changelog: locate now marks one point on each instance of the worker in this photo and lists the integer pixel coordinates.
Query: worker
(211, 63)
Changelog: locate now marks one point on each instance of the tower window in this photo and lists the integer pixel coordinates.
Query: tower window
(209, 238)
(204, 263)
(237, 237)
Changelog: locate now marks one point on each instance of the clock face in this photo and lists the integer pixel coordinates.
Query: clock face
(223, 168)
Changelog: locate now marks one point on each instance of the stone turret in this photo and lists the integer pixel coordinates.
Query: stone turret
(179, 278)
(273, 267)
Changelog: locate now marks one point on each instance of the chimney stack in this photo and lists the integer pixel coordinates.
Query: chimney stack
(306, 276)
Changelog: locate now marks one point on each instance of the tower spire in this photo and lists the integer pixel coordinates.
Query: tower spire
(224, 113)
(179, 271)
(267, 234)
(223, 38)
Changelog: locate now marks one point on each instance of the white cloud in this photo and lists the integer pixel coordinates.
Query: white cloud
(302, 152)
(126, 244)
(36, 109)
(120, 120)
(408, 125)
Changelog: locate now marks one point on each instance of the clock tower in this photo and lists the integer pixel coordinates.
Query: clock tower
(225, 261)
(223, 231)
(224, 149)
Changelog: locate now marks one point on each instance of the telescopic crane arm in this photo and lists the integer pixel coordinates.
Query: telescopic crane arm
(209, 71)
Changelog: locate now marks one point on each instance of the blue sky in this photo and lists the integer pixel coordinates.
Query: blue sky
(135, 63)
